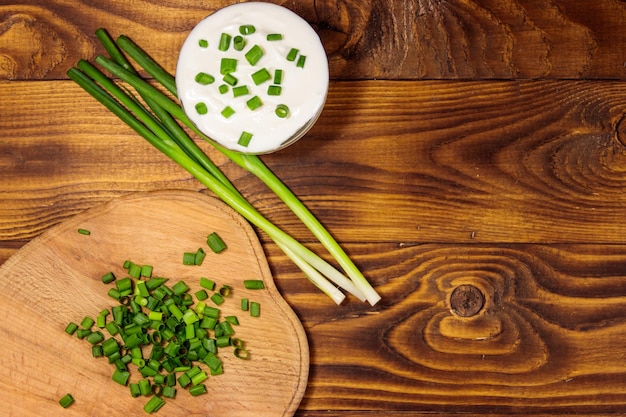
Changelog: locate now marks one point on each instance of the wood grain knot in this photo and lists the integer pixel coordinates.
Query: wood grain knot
(36, 43)
(466, 301)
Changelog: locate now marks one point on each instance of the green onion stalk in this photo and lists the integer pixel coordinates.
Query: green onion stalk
(159, 127)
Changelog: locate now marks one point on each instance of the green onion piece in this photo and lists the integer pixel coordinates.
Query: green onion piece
(198, 390)
(184, 380)
(217, 299)
(189, 258)
(134, 390)
(84, 232)
(239, 43)
(223, 88)
(255, 309)
(202, 108)
(223, 341)
(211, 312)
(247, 29)
(199, 258)
(121, 377)
(227, 112)
(253, 284)
(95, 337)
(87, 322)
(154, 404)
(225, 291)
(254, 103)
(301, 61)
(282, 111)
(96, 351)
(134, 270)
(204, 78)
(292, 54)
(201, 295)
(108, 278)
(241, 90)
(168, 392)
(278, 76)
(141, 288)
(224, 42)
(71, 328)
(245, 304)
(244, 138)
(203, 43)
(230, 79)
(146, 271)
(216, 243)
(254, 54)
(260, 76)
(228, 65)
(274, 90)
(232, 319)
(66, 400)
(200, 378)
(241, 353)
(144, 386)
(101, 321)
(180, 288)
(207, 283)
(274, 37)
(82, 333)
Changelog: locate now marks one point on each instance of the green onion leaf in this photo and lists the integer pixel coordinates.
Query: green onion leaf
(254, 103)
(227, 112)
(274, 37)
(66, 400)
(224, 43)
(254, 55)
(241, 90)
(260, 76)
(274, 90)
(239, 43)
(228, 65)
(216, 244)
(301, 61)
(254, 284)
(292, 54)
(244, 138)
(230, 79)
(282, 111)
(204, 78)
(247, 29)
(202, 108)
(278, 76)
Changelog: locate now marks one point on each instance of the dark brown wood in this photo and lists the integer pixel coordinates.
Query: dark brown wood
(464, 145)
(392, 39)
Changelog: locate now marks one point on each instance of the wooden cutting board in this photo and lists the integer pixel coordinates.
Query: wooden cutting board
(55, 279)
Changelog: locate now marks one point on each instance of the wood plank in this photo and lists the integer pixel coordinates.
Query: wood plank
(549, 338)
(524, 161)
(390, 39)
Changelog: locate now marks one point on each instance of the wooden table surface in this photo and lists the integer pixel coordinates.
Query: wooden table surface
(465, 145)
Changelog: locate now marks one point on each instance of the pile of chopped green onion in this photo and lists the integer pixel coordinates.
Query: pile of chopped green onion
(158, 122)
(167, 335)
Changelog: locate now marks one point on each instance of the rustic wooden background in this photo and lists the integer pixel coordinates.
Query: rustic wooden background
(465, 144)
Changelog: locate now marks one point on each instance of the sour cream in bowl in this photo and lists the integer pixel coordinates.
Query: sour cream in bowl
(253, 77)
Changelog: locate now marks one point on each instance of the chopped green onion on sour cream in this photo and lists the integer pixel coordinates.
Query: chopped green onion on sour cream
(278, 60)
